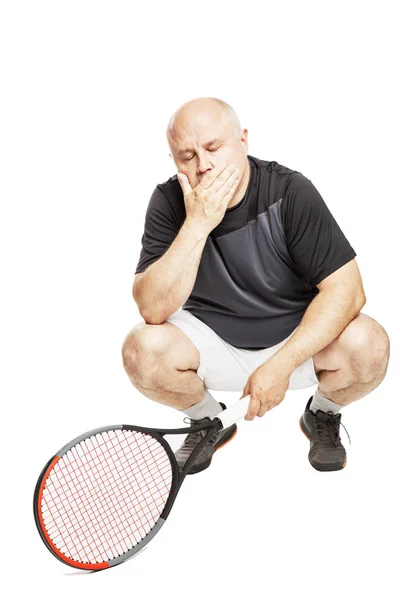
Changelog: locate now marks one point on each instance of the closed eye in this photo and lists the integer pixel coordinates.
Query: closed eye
(210, 150)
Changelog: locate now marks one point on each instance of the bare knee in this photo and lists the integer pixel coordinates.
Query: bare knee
(151, 352)
(368, 346)
(144, 346)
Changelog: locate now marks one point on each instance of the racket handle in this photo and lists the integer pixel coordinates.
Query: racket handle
(234, 413)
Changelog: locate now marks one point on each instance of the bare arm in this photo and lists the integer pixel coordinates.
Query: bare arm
(339, 301)
(168, 282)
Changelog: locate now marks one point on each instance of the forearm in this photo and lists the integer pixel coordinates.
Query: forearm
(167, 283)
(324, 320)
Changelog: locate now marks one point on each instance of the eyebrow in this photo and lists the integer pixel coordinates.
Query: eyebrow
(206, 144)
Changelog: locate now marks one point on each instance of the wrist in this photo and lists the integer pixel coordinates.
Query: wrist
(195, 229)
(281, 363)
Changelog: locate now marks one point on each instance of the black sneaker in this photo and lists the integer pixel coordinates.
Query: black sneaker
(327, 452)
(203, 460)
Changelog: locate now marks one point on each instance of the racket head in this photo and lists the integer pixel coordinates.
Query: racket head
(105, 494)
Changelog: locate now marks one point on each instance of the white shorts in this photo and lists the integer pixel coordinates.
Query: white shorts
(226, 368)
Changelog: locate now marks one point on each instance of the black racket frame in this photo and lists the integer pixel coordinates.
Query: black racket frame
(178, 475)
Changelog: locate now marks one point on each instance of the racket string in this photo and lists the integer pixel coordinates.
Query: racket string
(107, 506)
(105, 494)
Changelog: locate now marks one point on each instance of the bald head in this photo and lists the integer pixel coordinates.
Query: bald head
(196, 113)
(205, 134)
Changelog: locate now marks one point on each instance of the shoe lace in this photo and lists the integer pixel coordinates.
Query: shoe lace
(328, 428)
(192, 439)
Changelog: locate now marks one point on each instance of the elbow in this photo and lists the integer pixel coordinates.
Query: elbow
(364, 299)
(151, 318)
(361, 300)
(362, 296)
(148, 310)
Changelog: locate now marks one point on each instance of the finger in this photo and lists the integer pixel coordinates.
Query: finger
(229, 188)
(245, 392)
(185, 185)
(253, 409)
(218, 179)
(264, 409)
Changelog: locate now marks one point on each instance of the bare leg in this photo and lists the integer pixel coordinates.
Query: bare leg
(161, 362)
(355, 363)
(329, 382)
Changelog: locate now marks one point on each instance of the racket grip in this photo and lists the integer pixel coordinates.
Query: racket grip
(234, 413)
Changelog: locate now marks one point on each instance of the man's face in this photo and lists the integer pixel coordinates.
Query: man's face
(204, 141)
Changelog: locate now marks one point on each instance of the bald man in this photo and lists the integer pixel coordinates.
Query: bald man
(245, 282)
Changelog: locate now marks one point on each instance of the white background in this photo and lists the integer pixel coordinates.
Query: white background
(87, 92)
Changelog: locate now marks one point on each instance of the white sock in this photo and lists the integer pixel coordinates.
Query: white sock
(320, 402)
(207, 407)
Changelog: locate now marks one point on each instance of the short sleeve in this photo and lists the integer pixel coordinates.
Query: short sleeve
(160, 229)
(316, 244)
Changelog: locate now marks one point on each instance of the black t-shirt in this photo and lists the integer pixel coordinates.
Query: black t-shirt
(261, 264)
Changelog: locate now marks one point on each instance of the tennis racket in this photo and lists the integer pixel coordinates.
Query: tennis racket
(103, 496)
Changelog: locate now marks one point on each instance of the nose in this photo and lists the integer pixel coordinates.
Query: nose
(204, 165)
